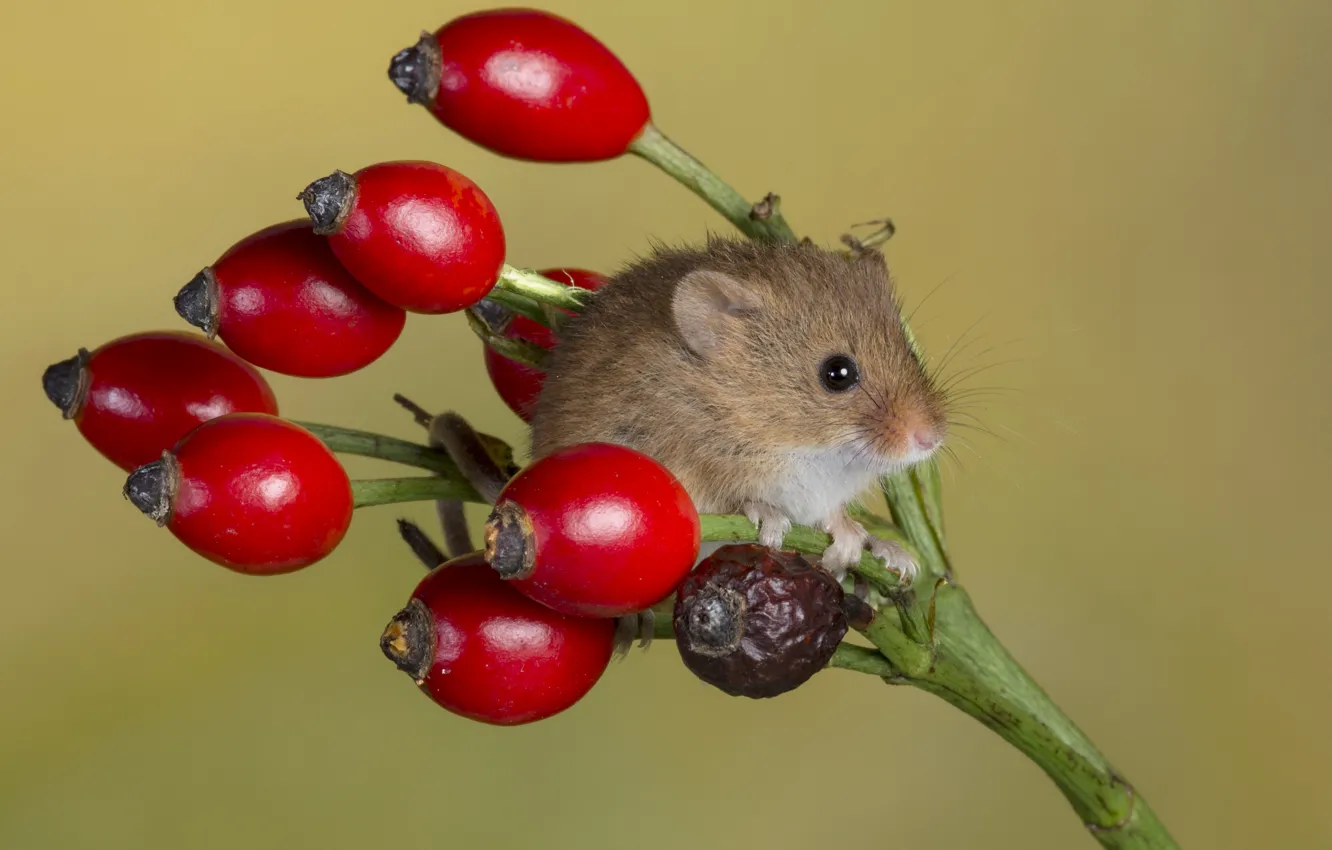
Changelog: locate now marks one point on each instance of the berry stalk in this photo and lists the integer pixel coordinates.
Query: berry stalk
(535, 287)
(365, 444)
(761, 221)
(369, 492)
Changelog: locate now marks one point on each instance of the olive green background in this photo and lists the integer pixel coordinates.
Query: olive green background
(1124, 205)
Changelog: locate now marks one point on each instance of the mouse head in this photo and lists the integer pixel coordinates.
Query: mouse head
(804, 348)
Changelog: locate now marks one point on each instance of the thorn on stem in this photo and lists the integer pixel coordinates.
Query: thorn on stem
(766, 208)
(422, 546)
(419, 413)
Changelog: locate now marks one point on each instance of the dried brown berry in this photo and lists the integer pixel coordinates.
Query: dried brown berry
(757, 623)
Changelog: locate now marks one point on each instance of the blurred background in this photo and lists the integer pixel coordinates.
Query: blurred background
(1125, 207)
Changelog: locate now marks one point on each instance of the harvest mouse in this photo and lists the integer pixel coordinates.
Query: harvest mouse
(773, 380)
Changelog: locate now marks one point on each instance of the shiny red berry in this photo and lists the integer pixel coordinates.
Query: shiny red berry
(594, 530)
(525, 84)
(280, 299)
(251, 492)
(134, 397)
(517, 384)
(484, 651)
(417, 234)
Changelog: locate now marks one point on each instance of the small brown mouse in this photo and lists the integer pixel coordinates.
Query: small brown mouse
(774, 380)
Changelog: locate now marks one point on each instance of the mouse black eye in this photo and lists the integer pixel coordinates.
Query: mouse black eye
(839, 373)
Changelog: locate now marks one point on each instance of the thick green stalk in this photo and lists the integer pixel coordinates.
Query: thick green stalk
(971, 670)
(762, 222)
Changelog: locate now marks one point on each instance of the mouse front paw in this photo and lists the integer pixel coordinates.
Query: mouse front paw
(773, 525)
(895, 558)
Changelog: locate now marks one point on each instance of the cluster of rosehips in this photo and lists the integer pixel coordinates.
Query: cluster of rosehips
(576, 541)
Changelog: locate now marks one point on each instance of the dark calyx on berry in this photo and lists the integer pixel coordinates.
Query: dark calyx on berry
(66, 383)
(510, 541)
(496, 316)
(416, 70)
(409, 639)
(714, 621)
(328, 200)
(152, 488)
(757, 623)
(197, 302)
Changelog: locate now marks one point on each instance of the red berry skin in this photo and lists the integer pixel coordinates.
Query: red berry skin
(145, 391)
(519, 385)
(421, 236)
(259, 495)
(285, 303)
(531, 85)
(612, 531)
(501, 658)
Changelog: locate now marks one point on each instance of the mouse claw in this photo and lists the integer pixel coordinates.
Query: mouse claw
(896, 559)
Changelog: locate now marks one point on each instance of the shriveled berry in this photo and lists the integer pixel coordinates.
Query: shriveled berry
(594, 530)
(135, 396)
(482, 650)
(280, 299)
(519, 384)
(419, 235)
(526, 84)
(757, 623)
(252, 492)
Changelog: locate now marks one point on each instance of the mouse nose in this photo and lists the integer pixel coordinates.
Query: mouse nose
(925, 439)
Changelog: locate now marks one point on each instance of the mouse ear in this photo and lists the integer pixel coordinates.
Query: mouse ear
(707, 307)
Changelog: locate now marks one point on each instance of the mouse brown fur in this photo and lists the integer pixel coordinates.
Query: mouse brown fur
(711, 361)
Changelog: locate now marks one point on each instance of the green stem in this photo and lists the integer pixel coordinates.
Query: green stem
(912, 505)
(365, 444)
(370, 492)
(657, 149)
(352, 442)
(719, 528)
(530, 285)
(972, 671)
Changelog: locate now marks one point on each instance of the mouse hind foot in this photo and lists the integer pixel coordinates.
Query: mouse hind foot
(641, 627)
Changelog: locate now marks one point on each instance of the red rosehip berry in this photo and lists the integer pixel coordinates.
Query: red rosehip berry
(594, 530)
(252, 492)
(280, 299)
(482, 650)
(525, 84)
(518, 384)
(134, 397)
(417, 234)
